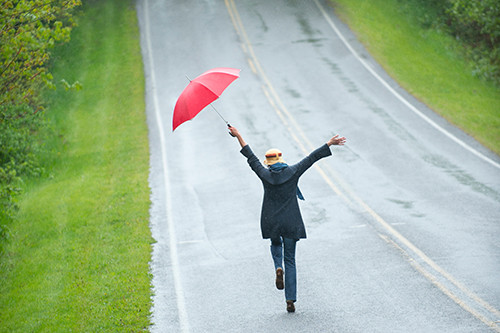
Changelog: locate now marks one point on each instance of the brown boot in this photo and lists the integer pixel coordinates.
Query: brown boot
(290, 307)
(279, 279)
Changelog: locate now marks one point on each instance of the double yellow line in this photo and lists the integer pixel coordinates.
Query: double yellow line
(393, 237)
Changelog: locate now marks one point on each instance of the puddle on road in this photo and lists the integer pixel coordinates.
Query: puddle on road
(313, 41)
(461, 176)
(348, 83)
(307, 30)
(292, 92)
(263, 24)
(306, 27)
(319, 218)
(392, 125)
(404, 204)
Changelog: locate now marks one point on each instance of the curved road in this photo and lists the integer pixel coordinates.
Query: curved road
(402, 222)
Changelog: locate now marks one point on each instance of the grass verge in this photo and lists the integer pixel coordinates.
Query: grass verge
(427, 63)
(77, 258)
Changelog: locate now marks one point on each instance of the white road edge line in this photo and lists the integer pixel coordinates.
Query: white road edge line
(398, 96)
(181, 306)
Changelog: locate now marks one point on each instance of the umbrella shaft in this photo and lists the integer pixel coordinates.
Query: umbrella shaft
(218, 113)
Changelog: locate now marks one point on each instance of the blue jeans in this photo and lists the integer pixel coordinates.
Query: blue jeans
(277, 246)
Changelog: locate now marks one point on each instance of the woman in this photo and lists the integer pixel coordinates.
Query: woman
(281, 220)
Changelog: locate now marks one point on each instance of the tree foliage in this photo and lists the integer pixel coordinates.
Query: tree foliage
(28, 29)
(477, 23)
(18, 150)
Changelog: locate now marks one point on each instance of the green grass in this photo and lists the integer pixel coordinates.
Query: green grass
(77, 259)
(427, 63)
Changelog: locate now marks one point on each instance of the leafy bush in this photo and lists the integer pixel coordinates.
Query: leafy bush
(477, 23)
(19, 126)
(28, 30)
(474, 22)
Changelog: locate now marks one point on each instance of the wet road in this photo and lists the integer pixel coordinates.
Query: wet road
(402, 222)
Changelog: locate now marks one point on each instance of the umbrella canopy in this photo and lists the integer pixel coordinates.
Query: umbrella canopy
(202, 91)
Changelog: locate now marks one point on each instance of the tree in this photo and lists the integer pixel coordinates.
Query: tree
(476, 20)
(477, 23)
(28, 29)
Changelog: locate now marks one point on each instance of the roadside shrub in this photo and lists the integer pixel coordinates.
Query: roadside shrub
(28, 30)
(19, 146)
(477, 23)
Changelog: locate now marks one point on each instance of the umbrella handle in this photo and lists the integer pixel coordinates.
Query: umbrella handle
(229, 125)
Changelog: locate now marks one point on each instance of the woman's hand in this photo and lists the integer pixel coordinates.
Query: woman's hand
(336, 141)
(234, 132)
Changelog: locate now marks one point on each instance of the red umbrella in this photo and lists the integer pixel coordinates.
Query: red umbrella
(202, 91)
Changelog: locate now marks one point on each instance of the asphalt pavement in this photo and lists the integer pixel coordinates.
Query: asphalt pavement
(402, 222)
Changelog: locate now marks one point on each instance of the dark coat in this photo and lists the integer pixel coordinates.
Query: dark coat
(280, 215)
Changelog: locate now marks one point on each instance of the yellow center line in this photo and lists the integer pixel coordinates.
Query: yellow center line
(343, 190)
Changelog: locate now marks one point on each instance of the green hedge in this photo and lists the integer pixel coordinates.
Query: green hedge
(19, 126)
(474, 22)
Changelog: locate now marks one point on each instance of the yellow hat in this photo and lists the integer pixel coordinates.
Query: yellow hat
(273, 156)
